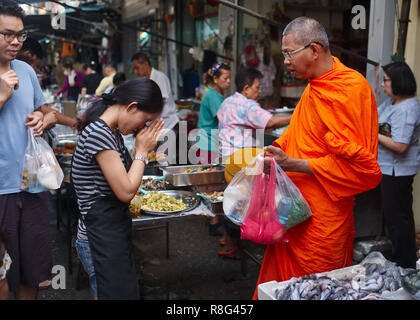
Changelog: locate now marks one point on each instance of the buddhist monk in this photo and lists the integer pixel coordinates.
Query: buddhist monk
(329, 152)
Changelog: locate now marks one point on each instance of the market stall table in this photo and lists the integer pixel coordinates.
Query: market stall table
(151, 222)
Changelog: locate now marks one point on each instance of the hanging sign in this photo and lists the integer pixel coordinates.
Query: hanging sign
(58, 17)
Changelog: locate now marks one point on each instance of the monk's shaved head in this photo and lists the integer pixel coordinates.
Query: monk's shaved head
(306, 30)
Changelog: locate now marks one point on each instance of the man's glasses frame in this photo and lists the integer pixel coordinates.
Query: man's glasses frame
(10, 36)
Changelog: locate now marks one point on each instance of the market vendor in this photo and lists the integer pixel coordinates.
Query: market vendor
(240, 117)
(72, 82)
(329, 152)
(142, 67)
(106, 180)
(107, 81)
(218, 77)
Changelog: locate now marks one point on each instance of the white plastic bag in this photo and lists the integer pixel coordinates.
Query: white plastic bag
(40, 169)
(292, 208)
(237, 196)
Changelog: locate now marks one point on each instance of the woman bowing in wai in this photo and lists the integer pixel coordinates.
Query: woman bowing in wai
(106, 180)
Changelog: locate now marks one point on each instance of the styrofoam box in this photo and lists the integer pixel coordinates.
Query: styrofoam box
(266, 290)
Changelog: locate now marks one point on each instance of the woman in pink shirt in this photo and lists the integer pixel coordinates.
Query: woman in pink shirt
(72, 83)
(241, 122)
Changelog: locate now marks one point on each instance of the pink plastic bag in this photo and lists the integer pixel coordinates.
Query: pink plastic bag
(261, 223)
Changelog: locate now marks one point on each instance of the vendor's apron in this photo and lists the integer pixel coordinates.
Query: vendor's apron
(109, 230)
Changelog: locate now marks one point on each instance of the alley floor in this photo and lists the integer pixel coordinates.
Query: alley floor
(193, 271)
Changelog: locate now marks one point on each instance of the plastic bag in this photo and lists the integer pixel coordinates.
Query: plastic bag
(292, 208)
(40, 168)
(261, 223)
(237, 195)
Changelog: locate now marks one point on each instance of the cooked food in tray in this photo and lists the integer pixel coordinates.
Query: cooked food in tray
(156, 201)
(194, 175)
(214, 196)
(199, 169)
(150, 184)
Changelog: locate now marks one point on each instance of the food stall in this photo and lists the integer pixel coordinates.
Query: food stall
(170, 193)
(179, 192)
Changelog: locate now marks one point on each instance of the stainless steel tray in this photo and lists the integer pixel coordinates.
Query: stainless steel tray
(177, 177)
(282, 111)
(151, 177)
(213, 206)
(189, 198)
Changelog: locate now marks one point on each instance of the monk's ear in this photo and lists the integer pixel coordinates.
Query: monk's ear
(316, 50)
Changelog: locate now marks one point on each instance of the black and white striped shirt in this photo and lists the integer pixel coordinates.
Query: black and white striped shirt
(88, 179)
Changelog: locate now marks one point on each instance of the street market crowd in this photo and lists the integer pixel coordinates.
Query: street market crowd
(338, 144)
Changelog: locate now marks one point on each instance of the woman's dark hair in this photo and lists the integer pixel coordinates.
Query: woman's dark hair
(403, 82)
(246, 77)
(144, 91)
(11, 8)
(215, 72)
(118, 79)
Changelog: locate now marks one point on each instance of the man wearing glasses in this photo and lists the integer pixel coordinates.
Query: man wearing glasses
(23, 216)
(329, 151)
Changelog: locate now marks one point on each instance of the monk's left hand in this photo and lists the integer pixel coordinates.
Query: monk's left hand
(279, 156)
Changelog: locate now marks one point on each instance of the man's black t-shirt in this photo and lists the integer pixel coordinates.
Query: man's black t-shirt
(91, 82)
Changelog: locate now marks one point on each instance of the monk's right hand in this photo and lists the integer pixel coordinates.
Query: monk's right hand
(8, 81)
(279, 156)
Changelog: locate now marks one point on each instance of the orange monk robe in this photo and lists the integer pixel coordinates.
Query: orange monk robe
(334, 127)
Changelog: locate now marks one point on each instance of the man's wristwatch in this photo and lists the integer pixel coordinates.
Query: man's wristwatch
(144, 159)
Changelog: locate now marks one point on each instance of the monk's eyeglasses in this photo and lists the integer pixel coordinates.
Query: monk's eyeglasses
(289, 54)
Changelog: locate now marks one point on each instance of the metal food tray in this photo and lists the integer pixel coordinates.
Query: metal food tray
(177, 177)
(213, 206)
(282, 111)
(153, 177)
(193, 201)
